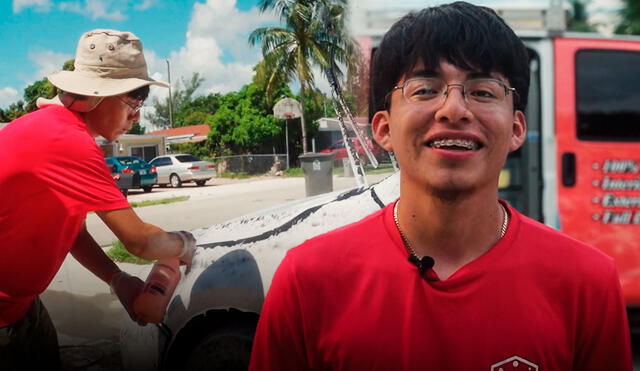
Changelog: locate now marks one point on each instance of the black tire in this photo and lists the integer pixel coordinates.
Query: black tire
(147, 189)
(125, 192)
(175, 181)
(200, 183)
(227, 348)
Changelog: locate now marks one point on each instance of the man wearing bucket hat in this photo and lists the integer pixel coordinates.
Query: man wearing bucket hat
(53, 173)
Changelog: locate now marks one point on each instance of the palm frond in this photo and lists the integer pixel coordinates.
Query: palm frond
(269, 33)
(282, 7)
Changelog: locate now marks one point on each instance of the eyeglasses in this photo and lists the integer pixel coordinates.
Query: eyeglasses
(135, 107)
(433, 90)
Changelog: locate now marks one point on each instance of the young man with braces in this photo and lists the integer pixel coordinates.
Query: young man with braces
(448, 277)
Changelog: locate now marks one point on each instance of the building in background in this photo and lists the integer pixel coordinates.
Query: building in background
(144, 146)
(184, 134)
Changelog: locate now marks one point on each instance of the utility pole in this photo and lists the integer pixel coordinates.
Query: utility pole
(286, 139)
(170, 108)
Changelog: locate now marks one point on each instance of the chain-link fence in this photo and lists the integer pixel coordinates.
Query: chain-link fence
(251, 164)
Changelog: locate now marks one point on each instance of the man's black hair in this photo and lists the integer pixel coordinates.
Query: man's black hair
(140, 93)
(471, 37)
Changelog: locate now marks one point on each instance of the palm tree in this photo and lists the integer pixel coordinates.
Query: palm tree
(312, 34)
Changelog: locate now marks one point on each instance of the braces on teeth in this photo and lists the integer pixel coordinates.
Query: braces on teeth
(454, 142)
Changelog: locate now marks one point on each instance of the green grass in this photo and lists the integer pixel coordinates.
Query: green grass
(234, 175)
(293, 172)
(159, 202)
(119, 254)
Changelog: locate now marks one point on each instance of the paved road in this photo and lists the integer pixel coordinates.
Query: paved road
(216, 202)
(83, 310)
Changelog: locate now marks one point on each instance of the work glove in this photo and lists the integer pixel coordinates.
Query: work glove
(188, 248)
(127, 288)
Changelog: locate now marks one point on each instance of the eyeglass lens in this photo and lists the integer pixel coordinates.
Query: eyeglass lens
(134, 106)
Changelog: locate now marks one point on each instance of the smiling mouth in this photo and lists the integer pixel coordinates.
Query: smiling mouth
(455, 144)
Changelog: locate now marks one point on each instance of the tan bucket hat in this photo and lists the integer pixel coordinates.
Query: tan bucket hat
(107, 63)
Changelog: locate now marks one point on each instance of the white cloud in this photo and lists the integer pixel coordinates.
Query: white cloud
(8, 95)
(144, 5)
(47, 62)
(157, 70)
(217, 46)
(94, 9)
(39, 5)
(75, 7)
(98, 9)
(230, 27)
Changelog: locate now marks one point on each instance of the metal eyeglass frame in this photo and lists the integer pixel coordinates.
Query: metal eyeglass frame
(507, 89)
(136, 108)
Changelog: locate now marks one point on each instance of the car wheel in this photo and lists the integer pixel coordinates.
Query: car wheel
(147, 189)
(228, 348)
(175, 181)
(200, 183)
(125, 192)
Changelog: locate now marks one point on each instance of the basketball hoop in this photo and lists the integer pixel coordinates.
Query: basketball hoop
(287, 108)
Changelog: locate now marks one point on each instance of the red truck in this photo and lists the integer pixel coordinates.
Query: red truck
(340, 151)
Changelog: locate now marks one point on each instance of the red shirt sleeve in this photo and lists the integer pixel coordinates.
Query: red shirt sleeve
(604, 341)
(279, 343)
(76, 171)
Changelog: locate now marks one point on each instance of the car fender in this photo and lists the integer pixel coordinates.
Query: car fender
(235, 262)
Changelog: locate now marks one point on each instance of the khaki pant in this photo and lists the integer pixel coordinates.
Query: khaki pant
(30, 343)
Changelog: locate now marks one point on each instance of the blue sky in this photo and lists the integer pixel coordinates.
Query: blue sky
(205, 36)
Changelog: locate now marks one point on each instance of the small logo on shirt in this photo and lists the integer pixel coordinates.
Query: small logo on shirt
(514, 363)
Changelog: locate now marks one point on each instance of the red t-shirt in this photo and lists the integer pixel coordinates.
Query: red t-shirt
(350, 300)
(52, 173)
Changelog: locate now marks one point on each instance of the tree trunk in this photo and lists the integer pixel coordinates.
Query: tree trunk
(303, 125)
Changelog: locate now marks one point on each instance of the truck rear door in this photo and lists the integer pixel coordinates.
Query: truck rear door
(597, 116)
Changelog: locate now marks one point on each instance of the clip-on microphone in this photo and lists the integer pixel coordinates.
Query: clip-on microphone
(423, 264)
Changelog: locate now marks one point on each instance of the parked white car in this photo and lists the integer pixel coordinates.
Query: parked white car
(182, 168)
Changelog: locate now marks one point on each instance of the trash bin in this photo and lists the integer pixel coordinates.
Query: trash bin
(318, 172)
(346, 168)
